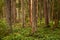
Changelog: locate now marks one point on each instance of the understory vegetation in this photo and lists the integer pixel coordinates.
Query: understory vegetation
(20, 33)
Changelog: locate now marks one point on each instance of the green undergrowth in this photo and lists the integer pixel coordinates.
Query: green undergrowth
(42, 33)
(20, 33)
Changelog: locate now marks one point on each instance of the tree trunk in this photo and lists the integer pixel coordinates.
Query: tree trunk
(33, 10)
(23, 13)
(52, 4)
(4, 12)
(56, 15)
(13, 10)
(40, 11)
(46, 13)
(8, 13)
(19, 10)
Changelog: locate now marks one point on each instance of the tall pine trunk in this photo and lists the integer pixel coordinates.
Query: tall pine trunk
(46, 13)
(33, 10)
(8, 13)
(13, 10)
(23, 13)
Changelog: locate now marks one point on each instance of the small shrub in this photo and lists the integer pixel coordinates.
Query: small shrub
(3, 28)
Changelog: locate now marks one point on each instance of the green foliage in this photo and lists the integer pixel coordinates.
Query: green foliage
(22, 31)
(19, 34)
(41, 34)
(3, 28)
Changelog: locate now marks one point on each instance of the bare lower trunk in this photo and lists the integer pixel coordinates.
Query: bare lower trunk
(23, 13)
(33, 10)
(8, 13)
(13, 10)
(46, 13)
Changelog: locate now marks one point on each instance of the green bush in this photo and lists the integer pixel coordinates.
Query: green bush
(14, 36)
(17, 36)
(3, 28)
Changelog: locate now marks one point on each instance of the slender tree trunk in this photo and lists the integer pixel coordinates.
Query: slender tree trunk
(46, 13)
(30, 11)
(36, 11)
(58, 12)
(19, 9)
(52, 7)
(1, 13)
(4, 13)
(56, 18)
(23, 13)
(48, 7)
(54, 15)
(33, 10)
(13, 10)
(8, 13)
(40, 10)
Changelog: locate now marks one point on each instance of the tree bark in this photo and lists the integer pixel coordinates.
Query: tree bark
(46, 13)
(33, 10)
(8, 13)
(23, 13)
(13, 10)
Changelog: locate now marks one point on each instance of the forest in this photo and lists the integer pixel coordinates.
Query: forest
(29, 19)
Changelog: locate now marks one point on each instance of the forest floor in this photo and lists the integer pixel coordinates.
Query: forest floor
(19, 33)
(43, 33)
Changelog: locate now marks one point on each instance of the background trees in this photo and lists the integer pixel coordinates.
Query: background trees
(37, 9)
(47, 10)
(30, 13)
